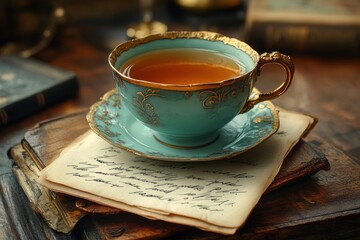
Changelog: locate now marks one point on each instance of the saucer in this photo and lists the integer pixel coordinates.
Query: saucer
(113, 122)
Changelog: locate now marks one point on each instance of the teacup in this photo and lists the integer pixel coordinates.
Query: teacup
(190, 114)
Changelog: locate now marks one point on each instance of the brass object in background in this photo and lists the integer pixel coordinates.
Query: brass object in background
(28, 26)
(147, 26)
(205, 5)
(57, 18)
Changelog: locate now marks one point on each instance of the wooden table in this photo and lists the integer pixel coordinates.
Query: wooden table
(327, 88)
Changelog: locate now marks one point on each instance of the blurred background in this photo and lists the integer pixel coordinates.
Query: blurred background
(303, 26)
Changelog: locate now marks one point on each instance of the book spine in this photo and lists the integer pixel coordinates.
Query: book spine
(38, 101)
(304, 38)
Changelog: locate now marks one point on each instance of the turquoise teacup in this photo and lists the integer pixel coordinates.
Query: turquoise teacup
(191, 115)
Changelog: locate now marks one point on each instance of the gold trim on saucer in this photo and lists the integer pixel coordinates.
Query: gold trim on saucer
(90, 114)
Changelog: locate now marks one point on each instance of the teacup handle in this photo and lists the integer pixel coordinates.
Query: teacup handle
(286, 63)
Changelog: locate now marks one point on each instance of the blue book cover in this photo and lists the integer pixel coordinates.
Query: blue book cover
(29, 85)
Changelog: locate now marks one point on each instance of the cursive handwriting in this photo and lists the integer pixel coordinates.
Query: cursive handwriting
(201, 186)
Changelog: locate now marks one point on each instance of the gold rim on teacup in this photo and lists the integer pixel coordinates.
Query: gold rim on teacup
(121, 48)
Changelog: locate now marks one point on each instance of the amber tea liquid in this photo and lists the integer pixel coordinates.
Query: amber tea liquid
(182, 66)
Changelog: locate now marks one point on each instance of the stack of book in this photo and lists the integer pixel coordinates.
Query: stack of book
(53, 154)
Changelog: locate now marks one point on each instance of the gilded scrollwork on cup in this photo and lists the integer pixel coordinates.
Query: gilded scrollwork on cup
(145, 109)
(210, 98)
(119, 81)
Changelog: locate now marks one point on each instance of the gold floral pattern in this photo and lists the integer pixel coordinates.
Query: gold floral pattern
(145, 109)
(257, 120)
(209, 98)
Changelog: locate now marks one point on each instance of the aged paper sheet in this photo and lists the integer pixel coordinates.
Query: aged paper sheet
(215, 196)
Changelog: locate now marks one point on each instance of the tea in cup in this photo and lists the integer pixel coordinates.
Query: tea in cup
(185, 86)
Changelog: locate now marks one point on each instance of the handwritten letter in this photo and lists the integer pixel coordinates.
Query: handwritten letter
(216, 195)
